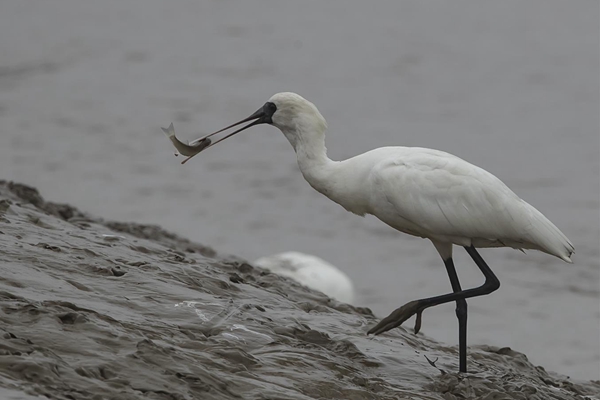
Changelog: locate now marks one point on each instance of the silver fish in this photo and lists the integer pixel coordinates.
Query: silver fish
(186, 149)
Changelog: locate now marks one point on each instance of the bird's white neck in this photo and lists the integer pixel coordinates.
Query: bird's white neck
(310, 149)
(324, 175)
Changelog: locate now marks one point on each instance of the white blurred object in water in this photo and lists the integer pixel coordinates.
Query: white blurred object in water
(310, 271)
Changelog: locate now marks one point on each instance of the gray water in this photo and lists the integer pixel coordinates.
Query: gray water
(510, 86)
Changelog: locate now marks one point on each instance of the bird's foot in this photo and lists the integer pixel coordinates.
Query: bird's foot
(398, 316)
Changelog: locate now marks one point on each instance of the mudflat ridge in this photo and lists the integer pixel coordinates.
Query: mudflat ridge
(95, 309)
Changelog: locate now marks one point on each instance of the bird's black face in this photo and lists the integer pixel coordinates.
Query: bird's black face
(263, 115)
(268, 109)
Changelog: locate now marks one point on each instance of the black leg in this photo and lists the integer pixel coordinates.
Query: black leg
(461, 314)
(398, 316)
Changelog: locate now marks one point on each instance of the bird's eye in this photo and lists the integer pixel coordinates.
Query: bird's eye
(271, 107)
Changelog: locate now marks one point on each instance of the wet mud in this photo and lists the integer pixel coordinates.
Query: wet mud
(95, 309)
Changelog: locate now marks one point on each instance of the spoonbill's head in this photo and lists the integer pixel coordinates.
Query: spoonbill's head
(295, 116)
(295, 113)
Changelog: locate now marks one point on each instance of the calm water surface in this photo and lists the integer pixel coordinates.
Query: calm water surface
(512, 87)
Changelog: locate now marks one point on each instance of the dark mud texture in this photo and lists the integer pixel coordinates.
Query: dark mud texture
(91, 309)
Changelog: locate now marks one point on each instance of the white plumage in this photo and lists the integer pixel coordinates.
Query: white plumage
(310, 271)
(435, 195)
(422, 192)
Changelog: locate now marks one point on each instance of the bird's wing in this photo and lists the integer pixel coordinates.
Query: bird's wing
(436, 195)
(446, 196)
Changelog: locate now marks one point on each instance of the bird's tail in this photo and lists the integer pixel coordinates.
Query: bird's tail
(548, 237)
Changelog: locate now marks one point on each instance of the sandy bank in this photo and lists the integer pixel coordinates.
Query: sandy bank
(92, 309)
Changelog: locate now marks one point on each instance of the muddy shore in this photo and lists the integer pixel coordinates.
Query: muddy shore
(95, 309)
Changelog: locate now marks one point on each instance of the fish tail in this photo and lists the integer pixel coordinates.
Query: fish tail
(170, 131)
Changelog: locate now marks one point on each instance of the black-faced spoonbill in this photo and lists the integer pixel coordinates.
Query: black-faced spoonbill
(422, 192)
(310, 271)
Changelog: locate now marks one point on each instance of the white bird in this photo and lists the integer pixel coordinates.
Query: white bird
(310, 271)
(422, 192)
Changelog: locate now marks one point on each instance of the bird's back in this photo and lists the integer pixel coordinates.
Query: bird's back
(311, 271)
(433, 194)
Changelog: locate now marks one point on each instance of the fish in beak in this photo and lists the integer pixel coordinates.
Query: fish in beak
(185, 149)
(262, 116)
